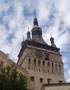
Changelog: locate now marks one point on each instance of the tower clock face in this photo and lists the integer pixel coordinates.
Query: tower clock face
(46, 56)
(38, 54)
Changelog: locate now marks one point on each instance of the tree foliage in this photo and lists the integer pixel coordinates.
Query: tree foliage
(10, 79)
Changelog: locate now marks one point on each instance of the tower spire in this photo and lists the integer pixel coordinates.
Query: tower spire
(35, 22)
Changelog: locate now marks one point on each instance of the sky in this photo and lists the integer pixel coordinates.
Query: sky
(53, 17)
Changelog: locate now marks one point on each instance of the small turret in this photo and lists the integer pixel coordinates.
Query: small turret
(52, 42)
(28, 35)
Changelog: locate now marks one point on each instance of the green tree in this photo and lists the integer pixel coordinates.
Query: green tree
(10, 79)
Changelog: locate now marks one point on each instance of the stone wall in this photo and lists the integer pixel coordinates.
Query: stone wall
(63, 86)
(5, 61)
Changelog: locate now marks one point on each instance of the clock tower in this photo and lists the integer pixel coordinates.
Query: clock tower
(42, 61)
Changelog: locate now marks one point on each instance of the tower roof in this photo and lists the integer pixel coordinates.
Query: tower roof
(37, 32)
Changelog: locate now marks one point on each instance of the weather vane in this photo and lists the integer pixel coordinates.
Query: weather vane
(28, 29)
(51, 34)
(34, 13)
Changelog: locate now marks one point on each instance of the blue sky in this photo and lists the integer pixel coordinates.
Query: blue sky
(53, 16)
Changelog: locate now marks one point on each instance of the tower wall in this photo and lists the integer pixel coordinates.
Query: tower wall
(42, 71)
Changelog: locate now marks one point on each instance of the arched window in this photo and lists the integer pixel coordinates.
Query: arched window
(29, 61)
(43, 63)
(52, 67)
(34, 61)
(48, 64)
(44, 66)
(60, 68)
(56, 67)
(39, 62)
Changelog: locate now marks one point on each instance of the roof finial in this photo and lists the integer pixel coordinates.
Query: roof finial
(28, 29)
(51, 34)
(34, 13)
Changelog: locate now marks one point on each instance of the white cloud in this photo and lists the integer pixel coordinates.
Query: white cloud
(68, 75)
(3, 6)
